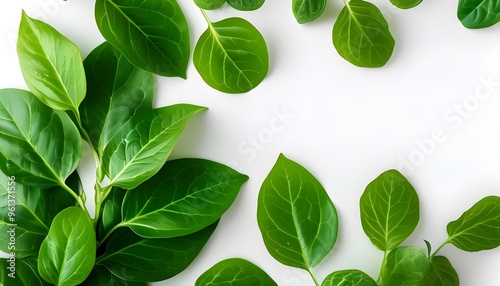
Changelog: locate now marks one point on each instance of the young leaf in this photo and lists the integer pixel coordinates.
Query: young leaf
(406, 266)
(142, 145)
(51, 65)
(235, 272)
(389, 210)
(307, 10)
(296, 217)
(406, 4)
(159, 258)
(231, 56)
(185, 196)
(245, 5)
(476, 14)
(361, 35)
(110, 213)
(152, 34)
(25, 272)
(67, 254)
(41, 147)
(442, 273)
(100, 275)
(478, 228)
(348, 278)
(209, 4)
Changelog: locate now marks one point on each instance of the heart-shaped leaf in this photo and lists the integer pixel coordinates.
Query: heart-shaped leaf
(235, 272)
(476, 14)
(23, 272)
(406, 266)
(245, 5)
(442, 273)
(209, 4)
(100, 275)
(406, 4)
(350, 277)
(306, 11)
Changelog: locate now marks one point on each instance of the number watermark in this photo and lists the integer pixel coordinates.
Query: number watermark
(11, 205)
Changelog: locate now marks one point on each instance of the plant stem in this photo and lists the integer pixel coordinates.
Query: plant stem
(439, 248)
(384, 260)
(79, 199)
(313, 277)
(100, 195)
(108, 234)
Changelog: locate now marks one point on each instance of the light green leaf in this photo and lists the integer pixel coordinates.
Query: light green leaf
(442, 273)
(51, 65)
(231, 56)
(152, 34)
(389, 210)
(235, 272)
(209, 4)
(478, 228)
(350, 277)
(185, 196)
(100, 275)
(406, 266)
(476, 14)
(24, 273)
(41, 147)
(406, 4)
(246, 5)
(361, 35)
(67, 254)
(111, 212)
(297, 219)
(306, 11)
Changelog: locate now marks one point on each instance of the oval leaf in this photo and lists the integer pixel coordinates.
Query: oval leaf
(41, 147)
(152, 34)
(246, 5)
(348, 278)
(476, 14)
(297, 219)
(442, 273)
(406, 266)
(100, 275)
(235, 272)
(406, 4)
(185, 196)
(478, 228)
(231, 56)
(67, 254)
(209, 4)
(51, 65)
(361, 35)
(22, 273)
(389, 210)
(307, 10)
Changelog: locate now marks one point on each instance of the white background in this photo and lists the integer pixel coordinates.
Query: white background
(345, 124)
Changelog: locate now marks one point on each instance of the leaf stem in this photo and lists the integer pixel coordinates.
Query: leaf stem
(313, 277)
(384, 260)
(79, 199)
(100, 195)
(108, 234)
(439, 248)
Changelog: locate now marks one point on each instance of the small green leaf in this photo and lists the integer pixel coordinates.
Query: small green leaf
(478, 228)
(406, 4)
(111, 213)
(24, 273)
(406, 266)
(476, 14)
(361, 35)
(67, 254)
(41, 147)
(185, 196)
(152, 34)
(51, 65)
(209, 4)
(100, 275)
(307, 10)
(348, 278)
(389, 210)
(442, 273)
(231, 56)
(297, 219)
(158, 258)
(235, 272)
(245, 5)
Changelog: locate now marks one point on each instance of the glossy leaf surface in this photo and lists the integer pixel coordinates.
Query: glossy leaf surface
(100, 275)
(406, 4)
(209, 4)
(348, 278)
(406, 266)
(235, 272)
(389, 210)
(26, 273)
(476, 14)
(246, 5)
(307, 10)
(297, 219)
(111, 213)
(442, 273)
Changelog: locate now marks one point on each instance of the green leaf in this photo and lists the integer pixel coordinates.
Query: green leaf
(67, 254)
(111, 212)
(116, 89)
(478, 228)
(406, 4)
(235, 272)
(209, 4)
(142, 145)
(139, 259)
(23, 273)
(245, 5)
(41, 147)
(361, 35)
(100, 275)
(185, 196)
(406, 266)
(51, 65)
(152, 34)
(307, 10)
(442, 273)
(350, 277)
(476, 14)
(231, 56)
(389, 210)
(297, 219)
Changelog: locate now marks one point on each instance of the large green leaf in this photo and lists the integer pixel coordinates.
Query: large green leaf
(153, 34)
(139, 259)
(111, 212)
(246, 5)
(442, 273)
(389, 210)
(41, 147)
(405, 4)
(361, 35)
(67, 254)
(231, 56)
(297, 219)
(406, 266)
(478, 228)
(51, 65)
(100, 275)
(185, 196)
(116, 89)
(142, 145)
(307, 10)
(24, 273)
(209, 4)
(350, 277)
(235, 272)
(476, 14)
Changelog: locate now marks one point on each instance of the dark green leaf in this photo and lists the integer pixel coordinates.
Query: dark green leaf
(23, 273)
(135, 258)
(442, 273)
(406, 266)
(51, 65)
(246, 5)
(209, 4)
(152, 34)
(389, 210)
(185, 196)
(41, 147)
(231, 56)
(67, 254)
(406, 4)
(111, 212)
(361, 35)
(235, 272)
(100, 275)
(476, 14)
(307, 10)
(478, 228)
(349, 278)
(296, 217)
